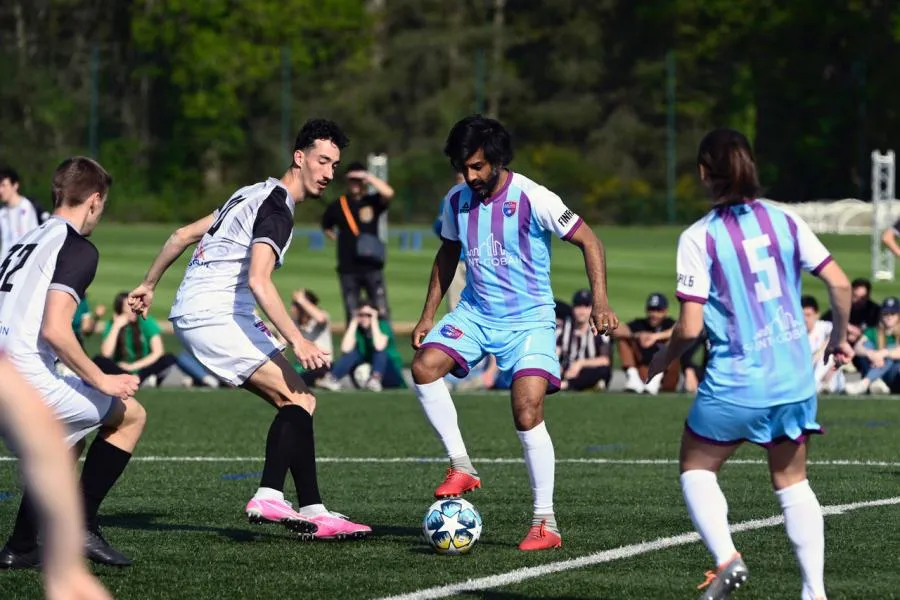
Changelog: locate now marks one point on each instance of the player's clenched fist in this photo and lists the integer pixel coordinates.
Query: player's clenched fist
(140, 299)
(119, 386)
(603, 319)
(311, 356)
(421, 330)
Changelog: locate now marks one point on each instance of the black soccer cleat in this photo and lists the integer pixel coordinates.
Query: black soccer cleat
(98, 550)
(10, 559)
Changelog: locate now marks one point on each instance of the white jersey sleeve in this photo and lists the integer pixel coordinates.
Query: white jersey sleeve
(449, 226)
(813, 253)
(552, 214)
(692, 265)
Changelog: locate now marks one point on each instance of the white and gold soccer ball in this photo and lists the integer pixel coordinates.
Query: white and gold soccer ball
(452, 526)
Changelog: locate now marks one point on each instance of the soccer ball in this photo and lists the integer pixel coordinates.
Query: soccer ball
(452, 526)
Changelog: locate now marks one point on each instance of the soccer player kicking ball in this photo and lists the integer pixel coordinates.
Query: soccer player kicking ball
(43, 277)
(501, 221)
(240, 245)
(739, 276)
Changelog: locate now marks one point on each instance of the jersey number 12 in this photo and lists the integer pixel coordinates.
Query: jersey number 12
(772, 287)
(21, 253)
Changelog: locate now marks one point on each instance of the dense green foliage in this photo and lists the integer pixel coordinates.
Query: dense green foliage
(195, 97)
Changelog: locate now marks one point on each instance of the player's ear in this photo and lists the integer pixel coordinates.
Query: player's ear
(298, 159)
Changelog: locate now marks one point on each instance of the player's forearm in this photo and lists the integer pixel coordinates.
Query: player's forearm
(268, 299)
(839, 296)
(171, 250)
(62, 340)
(595, 266)
(382, 187)
(108, 346)
(48, 470)
(442, 273)
(146, 361)
(682, 339)
(890, 241)
(348, 342)
(379, 339)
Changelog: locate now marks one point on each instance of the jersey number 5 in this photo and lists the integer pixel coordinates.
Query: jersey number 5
(17, 251)
(772, 288)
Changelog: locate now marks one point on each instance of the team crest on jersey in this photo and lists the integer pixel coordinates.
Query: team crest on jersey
(452, 332)
(509, 208)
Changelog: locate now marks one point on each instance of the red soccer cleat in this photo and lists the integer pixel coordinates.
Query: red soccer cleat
(540, 538)
(456, 484)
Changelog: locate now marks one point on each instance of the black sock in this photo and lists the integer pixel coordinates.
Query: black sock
(24, 534)
(102, 468)
(279, 447)
(303, 458)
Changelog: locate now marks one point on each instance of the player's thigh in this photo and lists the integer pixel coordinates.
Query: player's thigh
(712, 432)
(454, 345)
(78, 406)
(276, 382)
(232, 349)
(790, 426)
(529, 353)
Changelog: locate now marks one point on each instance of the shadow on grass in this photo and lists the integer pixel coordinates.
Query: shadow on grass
(147, 521)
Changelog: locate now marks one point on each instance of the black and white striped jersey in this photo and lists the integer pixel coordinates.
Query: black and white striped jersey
(55, 256)
(216, 283)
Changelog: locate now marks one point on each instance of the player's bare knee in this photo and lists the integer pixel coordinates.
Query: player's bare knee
(305, 400)
(135, 416)
(424, 370)
(528, 415)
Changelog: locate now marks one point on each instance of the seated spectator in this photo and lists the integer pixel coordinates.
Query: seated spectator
(85, 321)
(585, 357)
(133, 345)
(864, 313)
(639, 340)
(368, 340)
(880, 346)
(315, 325)
(828, 379)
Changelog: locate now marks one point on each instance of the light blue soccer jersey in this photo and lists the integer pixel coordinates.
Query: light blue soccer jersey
(506, 244)
(743, 262)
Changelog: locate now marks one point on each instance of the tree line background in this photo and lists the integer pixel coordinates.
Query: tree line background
(183, 100)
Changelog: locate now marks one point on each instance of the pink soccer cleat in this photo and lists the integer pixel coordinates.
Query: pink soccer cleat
(280, 511)
(335, 526)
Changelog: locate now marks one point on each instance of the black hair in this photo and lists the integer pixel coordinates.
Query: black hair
(809, 302)
(137, 348)
(9, 173)
(320, 129)
(862, 282)
(313, 299)
(356, 166)
(730, 166)
(475, 132)
(365, 304)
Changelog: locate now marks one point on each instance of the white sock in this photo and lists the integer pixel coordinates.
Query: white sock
(633, 373)
(265, 493)
(441, 413)
(709, 511)
(312, 510)
(541, 462)
(806, 529)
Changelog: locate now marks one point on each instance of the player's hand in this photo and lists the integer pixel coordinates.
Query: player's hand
(658, 364)
(78, 584)
(603, 319)
(140, 299)
(420, 331)
(311, 356)
(119, 386)
(842, 353)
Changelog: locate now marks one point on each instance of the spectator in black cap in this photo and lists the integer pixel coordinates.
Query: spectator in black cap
(585, 358)
(881, 346)
(352, 220)
(639, 340)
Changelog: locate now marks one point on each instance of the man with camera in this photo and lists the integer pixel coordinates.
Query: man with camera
(352, 221)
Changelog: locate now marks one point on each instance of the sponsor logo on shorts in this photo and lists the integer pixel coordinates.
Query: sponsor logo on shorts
(509, 208)
(452, 332)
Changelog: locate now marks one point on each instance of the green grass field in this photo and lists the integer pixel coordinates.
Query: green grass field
(178, 509)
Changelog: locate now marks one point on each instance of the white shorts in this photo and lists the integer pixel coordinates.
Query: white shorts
(231, 350)
(80, 407)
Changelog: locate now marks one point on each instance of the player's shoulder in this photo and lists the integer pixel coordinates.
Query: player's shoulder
(779, 209)
(534, 191)
(275, 195)
(459, 198)
(696, 232)
(69, 239)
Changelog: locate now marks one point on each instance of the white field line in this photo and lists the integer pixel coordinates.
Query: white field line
(499, 461)
(605, 556)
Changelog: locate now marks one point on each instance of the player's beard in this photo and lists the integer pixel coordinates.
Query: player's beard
(487, 186)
